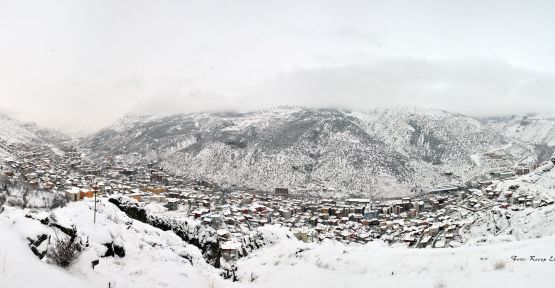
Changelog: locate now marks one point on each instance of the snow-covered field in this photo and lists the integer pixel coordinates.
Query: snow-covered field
(292, 264)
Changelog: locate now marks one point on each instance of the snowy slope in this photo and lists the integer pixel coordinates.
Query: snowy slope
(377, 152)
(13, 133)
(530, 223)
(17, 263)
(153, 258)
(294, 264)
(18, 138)
(535, 129)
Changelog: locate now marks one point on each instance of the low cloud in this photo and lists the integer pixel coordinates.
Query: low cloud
(477, 88)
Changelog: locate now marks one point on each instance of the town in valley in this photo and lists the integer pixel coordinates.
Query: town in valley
(437, 218)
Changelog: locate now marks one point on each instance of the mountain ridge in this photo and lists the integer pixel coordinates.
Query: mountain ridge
(381, 151)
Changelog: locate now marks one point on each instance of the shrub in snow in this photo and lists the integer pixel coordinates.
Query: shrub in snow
(65, 250)
(499, 265)
(440, 284)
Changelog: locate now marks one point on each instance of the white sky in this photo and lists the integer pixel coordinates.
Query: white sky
(80, 65)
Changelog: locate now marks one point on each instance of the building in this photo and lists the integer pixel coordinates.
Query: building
(522, 170)
(230, 250)
(280, 191)
(173, 204)
(73, 194)
(84, 193)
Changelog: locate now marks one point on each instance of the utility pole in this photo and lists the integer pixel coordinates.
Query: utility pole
(95, 190)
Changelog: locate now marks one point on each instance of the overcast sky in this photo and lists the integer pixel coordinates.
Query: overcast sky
(80, 65)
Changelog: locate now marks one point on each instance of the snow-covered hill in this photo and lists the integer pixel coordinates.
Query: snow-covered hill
(529, 223)
(378, 152)
(19, 138)
(332, 264)
(150, 258)
(535, 129)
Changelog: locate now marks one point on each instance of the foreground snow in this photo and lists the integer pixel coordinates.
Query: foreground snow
(160, 259)
(20, 268)
(153, 258)
(292, 264)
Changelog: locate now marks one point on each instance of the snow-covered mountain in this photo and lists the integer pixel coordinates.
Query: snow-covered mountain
(535, 129)
(18, 138)
(386, 152)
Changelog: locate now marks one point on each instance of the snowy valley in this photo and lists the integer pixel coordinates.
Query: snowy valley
(289, 196)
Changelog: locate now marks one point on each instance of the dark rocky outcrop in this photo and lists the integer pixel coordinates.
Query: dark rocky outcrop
(71, 232)
(94, 263)
(109, 251)
(34, 245)
(119, 251)
(132, 211)
(114, 250)
(43, 221)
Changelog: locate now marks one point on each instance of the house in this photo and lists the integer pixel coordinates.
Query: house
(409, 238)
(85, 193)
(302, 235)
(280, 191)
(136, 196)
(424, 241)
(223, 234)
(522, 170)
(127, 172)
(158, 198)
(154, 190)
(73, 194)
(172, 205)
(503, 174)
(444, 189)
(230, 250)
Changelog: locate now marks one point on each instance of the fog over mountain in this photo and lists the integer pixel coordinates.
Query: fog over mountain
(79, 66)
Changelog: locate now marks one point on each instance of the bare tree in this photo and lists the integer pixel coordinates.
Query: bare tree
(24, 197)
(2, 198)
(65, 250)
(4, 182)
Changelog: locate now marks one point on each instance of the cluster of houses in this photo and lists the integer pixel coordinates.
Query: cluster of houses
(434, 219)
(39, 169)
(71, 174)
(412, 222)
